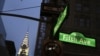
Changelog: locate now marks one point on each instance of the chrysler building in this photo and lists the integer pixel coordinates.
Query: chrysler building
(24, 49)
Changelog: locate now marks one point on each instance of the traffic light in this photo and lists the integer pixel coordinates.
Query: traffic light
(52, 48)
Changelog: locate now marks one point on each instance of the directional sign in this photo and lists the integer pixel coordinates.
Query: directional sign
(60, 20)
(77, 38)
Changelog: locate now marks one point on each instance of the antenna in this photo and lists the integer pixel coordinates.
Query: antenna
(28, 28)
(27, 32)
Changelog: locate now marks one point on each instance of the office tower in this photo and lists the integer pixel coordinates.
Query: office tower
(11, 47)
(50, 10)
(2, 29)
(3, 49)
(24, 49)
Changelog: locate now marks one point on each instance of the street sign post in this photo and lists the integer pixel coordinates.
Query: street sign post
(77, 38)
(60, 20)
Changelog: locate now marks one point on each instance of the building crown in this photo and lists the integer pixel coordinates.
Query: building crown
(24, 50)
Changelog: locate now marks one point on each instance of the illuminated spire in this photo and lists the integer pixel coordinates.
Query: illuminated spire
(24, 49)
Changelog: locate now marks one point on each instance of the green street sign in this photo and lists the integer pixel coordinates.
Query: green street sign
(60, 20)
(77, 38)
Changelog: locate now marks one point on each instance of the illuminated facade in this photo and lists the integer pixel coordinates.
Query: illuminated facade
(24, 49)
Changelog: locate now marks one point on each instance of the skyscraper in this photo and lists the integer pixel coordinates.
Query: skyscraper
(11, 47)
(24, 49)
(3, 49)
(50, 10)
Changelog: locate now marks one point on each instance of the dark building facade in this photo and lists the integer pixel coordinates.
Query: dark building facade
(83, 17)
(3, 49)
(50, 10)
(10, 45)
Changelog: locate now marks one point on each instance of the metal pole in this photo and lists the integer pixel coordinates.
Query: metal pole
(23, 16)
